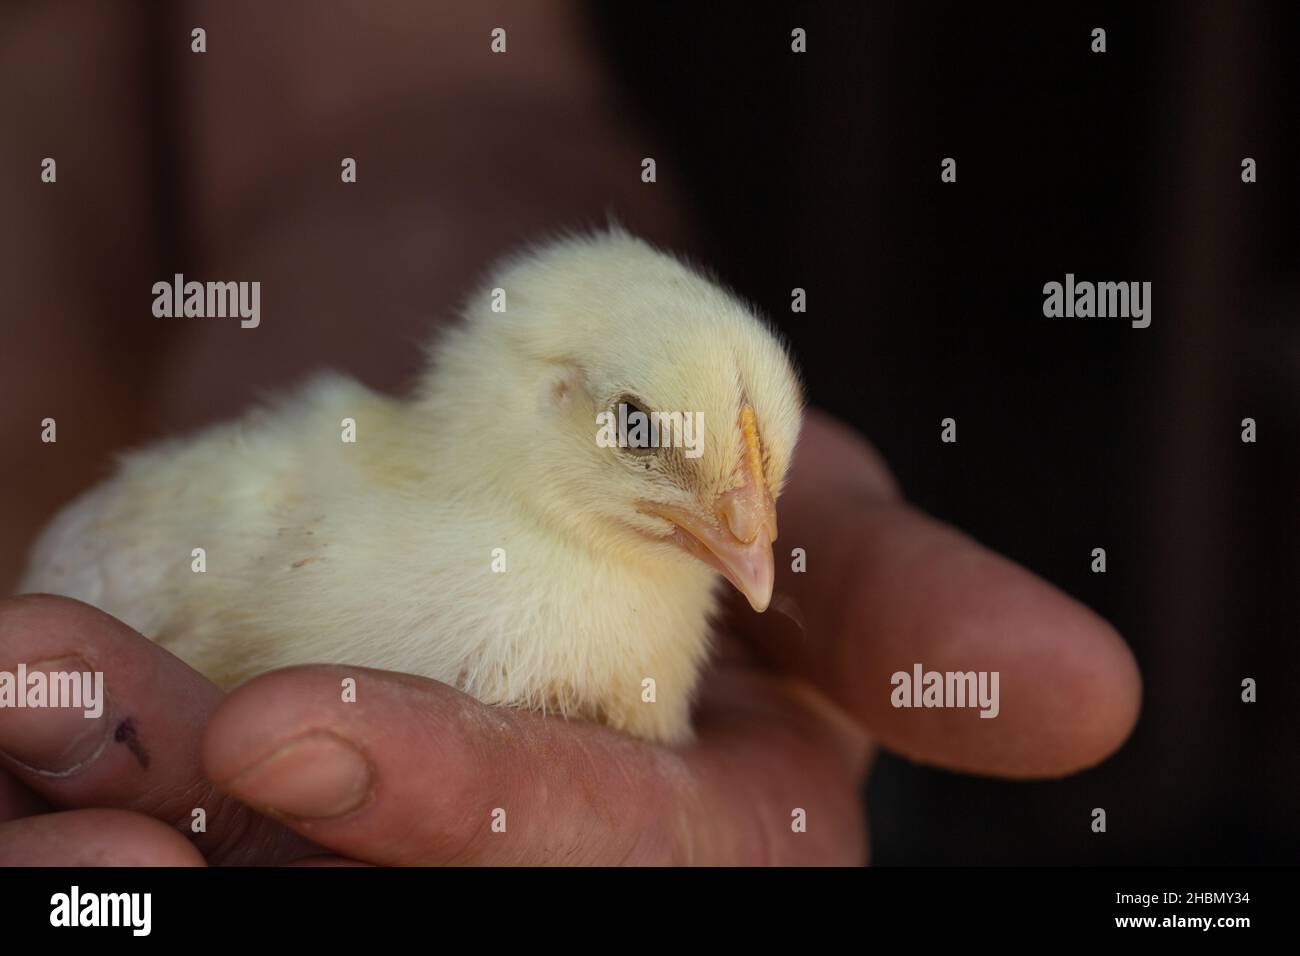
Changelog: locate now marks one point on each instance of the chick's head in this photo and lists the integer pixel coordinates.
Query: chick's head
(657, 412)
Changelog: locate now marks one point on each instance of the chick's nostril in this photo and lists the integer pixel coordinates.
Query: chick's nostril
(742, 515)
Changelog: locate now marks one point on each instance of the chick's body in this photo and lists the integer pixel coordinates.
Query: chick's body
(475, 533)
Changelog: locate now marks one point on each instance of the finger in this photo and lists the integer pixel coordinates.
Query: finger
(141, 753)
(94, 838)
(887, 587)
(414, 772)
(18, 801)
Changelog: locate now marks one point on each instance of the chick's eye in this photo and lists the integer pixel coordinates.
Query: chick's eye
(634, 428)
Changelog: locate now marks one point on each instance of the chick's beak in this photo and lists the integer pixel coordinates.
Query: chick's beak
(737, 539)
(748, 565)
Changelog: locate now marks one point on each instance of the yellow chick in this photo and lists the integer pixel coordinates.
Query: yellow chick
(510, 528)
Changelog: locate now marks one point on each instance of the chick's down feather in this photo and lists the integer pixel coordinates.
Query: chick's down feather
(477, 531)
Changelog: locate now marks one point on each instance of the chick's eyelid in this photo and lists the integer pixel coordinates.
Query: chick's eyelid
(633, 404)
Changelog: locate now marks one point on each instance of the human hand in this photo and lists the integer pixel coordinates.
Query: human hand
(413, 771)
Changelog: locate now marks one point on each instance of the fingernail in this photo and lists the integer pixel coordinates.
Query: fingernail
(314, 777)
(44, 738)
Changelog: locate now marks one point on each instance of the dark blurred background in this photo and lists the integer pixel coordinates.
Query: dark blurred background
(819, 171)
(925, 301)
